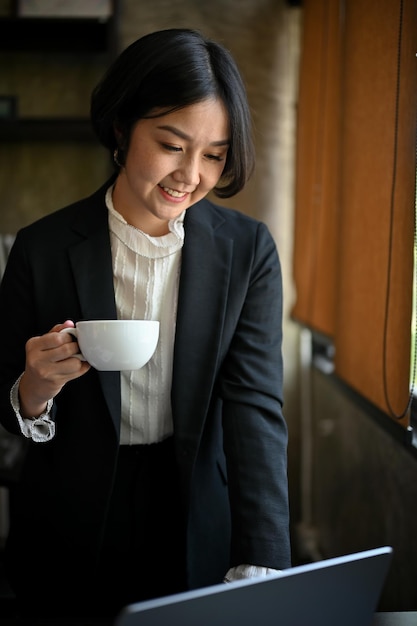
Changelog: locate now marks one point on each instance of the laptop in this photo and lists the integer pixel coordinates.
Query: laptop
(342, 591)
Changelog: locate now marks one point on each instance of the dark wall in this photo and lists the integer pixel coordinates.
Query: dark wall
(364, 488)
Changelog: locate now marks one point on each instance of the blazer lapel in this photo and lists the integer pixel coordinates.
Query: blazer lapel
(204, 284)
(93, 275)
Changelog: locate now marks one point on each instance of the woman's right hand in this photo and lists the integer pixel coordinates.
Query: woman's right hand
(50, 364)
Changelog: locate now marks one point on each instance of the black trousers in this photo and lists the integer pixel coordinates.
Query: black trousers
(143, 554)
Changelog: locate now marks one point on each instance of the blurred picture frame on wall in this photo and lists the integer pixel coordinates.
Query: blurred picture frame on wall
(100, 9)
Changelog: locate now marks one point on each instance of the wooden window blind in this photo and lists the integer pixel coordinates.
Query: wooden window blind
(355, 190)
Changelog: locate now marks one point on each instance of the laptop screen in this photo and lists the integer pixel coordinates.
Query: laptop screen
(342, 591)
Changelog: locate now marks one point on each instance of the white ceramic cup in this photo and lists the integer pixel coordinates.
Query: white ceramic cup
(116, 345)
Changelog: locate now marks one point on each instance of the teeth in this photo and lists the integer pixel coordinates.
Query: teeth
(172, 192)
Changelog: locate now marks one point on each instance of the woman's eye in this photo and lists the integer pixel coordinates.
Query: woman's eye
(215, 157)
(171, 148)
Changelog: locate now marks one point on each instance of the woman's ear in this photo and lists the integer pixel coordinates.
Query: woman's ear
(119, 153)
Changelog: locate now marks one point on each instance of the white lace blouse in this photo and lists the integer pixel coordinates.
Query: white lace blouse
(146, 276)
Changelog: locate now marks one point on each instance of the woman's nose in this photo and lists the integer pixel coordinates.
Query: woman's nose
(188, 172)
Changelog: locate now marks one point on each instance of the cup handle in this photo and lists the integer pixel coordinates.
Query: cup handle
(74, 333)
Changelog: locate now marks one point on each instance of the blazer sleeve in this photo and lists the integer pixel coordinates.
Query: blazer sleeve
(255, 432)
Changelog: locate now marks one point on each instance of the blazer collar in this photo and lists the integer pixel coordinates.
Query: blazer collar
(91, 258)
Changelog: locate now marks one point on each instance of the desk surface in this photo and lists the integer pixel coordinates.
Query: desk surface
(406, 618)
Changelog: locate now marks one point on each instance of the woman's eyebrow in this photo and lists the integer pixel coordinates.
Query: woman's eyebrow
(179, 133)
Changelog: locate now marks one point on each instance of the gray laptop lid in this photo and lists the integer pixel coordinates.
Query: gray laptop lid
(342, 591)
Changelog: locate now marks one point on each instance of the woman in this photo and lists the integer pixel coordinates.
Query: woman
(145, 483)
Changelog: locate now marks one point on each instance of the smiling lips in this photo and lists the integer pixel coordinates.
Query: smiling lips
(173, 193)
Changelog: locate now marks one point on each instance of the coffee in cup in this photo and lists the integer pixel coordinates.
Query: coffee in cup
(115, 345)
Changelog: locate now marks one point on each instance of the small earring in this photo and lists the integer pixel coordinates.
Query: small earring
(116, 157)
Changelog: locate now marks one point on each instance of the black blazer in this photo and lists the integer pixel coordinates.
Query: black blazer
(230, 435)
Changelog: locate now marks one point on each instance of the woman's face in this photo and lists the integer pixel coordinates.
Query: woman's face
(172, 161)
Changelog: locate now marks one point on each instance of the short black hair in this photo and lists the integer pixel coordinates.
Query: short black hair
(171, 69)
